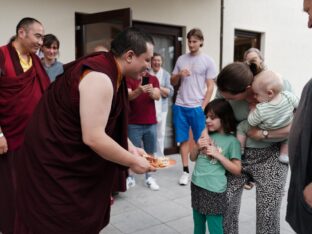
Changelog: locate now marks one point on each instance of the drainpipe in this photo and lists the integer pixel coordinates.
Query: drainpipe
(221, 33)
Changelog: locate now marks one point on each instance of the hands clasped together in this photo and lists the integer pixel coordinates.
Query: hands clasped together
(208, 147)
(147, 89)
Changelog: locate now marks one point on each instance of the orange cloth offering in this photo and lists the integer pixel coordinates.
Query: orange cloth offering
(159, 162)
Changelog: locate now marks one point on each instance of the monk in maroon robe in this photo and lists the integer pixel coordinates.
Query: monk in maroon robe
(76, 142)
(20, 90)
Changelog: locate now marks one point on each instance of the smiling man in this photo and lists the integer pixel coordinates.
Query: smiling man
(76, 144)
(22, 83)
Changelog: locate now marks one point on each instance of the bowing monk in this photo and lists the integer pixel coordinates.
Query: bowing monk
(22, 83)
(76, 142)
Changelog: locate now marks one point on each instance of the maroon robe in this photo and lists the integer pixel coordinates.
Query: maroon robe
(19, 94)
(63, 186)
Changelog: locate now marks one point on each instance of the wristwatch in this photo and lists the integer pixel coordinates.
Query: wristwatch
(265, 133)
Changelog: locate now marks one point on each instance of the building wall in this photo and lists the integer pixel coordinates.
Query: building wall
(58, 17)
(286, 40)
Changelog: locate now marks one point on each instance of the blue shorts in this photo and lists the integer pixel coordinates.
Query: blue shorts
(143, 136)
(185, 118)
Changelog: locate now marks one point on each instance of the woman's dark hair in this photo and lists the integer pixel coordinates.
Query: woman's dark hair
(236, 77)
(49, 39)
(222, 109)
(254, 67)
(131, 39)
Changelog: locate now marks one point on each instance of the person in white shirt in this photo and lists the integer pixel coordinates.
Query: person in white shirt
(166, 91)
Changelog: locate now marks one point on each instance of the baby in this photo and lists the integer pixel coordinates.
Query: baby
(274, 110)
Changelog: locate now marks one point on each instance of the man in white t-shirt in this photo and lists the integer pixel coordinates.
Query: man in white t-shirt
(194, 72)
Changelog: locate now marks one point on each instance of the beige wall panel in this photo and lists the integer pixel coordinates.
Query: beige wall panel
(286, 42)
(58, 17)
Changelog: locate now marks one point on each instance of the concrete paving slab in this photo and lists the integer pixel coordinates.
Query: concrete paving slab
(140, 210)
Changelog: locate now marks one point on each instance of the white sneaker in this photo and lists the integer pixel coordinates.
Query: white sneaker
(151, 183)
(130, 182)
(283, 158)
(184, 178)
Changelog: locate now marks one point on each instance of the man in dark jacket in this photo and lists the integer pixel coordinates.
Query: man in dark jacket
(299, 207)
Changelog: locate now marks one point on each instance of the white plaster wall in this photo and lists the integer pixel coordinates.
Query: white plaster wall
(286, 43)
(58, 17)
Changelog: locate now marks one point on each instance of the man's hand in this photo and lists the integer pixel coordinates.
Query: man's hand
(137, 151)
(184, 73)
(141, 165)
(149, 89)
(146, 88)
(307, 194)
(3, 145)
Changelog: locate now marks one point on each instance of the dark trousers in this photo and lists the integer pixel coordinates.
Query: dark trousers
(7, 194)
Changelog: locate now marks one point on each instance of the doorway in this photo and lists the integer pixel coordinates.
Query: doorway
(98, 29)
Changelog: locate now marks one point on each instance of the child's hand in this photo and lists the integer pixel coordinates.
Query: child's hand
(203, 142)
(213, 151)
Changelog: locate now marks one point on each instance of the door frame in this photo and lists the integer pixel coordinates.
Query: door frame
(178, 33)
(121, 15)
(124, 16)
(175, 31)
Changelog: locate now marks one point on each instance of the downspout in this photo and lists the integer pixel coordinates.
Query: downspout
(221, 34)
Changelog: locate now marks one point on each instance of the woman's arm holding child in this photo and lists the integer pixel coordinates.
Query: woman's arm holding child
(257, 133)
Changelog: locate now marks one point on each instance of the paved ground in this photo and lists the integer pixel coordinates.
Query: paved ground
(168, 211)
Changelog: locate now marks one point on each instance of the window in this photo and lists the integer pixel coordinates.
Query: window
(243, 41)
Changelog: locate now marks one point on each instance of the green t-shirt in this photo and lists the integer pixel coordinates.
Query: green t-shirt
(241, 111)
(212, 176)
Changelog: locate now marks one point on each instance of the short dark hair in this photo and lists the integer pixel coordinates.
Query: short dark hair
(235, 78)
(131, 39)
(49, 39)
(25, 23)
(223, 110)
